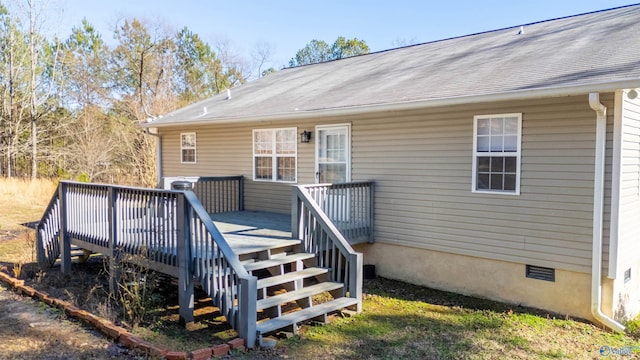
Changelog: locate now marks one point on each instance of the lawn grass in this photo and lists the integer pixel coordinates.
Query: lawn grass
(403, 321)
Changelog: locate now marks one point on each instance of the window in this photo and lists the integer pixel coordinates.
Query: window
(188, 148)
(496, 153)
(275, 154)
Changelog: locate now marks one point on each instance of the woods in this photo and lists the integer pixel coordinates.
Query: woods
(69, 107)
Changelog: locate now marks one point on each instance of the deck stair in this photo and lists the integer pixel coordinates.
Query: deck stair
(292, 289)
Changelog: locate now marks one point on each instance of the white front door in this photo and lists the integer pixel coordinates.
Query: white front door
(333, 165)
(333, 154)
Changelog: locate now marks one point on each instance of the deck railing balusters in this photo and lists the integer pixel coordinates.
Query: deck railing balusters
(220, 193)
(349, 206)
(324, 217)
(113, 219)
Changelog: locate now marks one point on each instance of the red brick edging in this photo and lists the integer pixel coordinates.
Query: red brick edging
(118, 333)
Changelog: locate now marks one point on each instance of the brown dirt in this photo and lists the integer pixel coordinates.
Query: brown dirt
(31, 330)
(6, 235)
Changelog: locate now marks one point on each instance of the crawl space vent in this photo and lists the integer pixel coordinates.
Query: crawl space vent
(541, 273)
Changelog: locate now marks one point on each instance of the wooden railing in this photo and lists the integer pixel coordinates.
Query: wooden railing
(220, 193)
(217, 268)
(170, 229)
(48, 231)
(321, 237)
(349, 206)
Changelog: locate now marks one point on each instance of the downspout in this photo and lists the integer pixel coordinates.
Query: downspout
(158, 156)
(598, 208)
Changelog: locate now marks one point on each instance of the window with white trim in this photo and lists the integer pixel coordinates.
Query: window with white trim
(275, 154)
(496, 153)
(188, 148)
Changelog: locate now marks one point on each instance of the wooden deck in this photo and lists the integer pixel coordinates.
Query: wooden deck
(254, 231)
(244, 260)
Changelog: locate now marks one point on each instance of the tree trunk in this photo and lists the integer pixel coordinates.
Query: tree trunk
(33, 109)
(12, 96)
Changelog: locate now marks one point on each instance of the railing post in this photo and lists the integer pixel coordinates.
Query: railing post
(355, 279)
(114, 256)
(371, 215)
(65, 243)
(241, 194)
(296, 210)
(248, 313)
(185, 277)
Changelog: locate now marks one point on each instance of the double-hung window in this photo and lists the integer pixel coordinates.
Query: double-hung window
(496, 153)
(275, 154)
(188, 148)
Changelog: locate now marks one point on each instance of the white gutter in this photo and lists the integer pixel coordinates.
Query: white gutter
(598, 200)
(158, 155)
(527, 94)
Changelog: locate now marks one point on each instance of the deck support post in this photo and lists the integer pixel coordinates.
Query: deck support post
(296, 212)
(65, 242)
(355, 279)
(371, 212)
(185, 277)
(114, 257)
(248, 313)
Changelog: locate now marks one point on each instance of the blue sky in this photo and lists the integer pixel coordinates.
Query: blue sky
(290, 25)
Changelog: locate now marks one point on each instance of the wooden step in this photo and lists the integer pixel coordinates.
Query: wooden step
(305, 314)
(297, 294)
(276, 261)
(290, 277)
(242, 246)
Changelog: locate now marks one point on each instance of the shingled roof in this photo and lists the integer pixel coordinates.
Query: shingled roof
(597, 51)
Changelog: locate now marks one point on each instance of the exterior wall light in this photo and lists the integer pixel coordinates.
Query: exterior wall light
(305, 136)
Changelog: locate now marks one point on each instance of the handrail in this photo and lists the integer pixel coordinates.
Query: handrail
(352, 184)
(47, 231)
(220, 272)
(321, 237)
(349, 206)
(223, 245)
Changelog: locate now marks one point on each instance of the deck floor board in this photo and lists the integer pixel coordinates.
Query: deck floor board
(253, 231)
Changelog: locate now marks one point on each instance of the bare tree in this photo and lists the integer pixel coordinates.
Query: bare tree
(235, 68)
(402, 42)
(261, 54)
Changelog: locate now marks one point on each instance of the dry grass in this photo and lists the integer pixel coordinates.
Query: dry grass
(23, 201)
(19, 248)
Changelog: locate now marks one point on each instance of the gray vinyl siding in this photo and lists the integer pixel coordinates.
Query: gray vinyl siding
(629, 217)
(421, 161)
(227, 150)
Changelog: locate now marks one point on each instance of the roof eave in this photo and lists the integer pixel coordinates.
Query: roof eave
(526, 94)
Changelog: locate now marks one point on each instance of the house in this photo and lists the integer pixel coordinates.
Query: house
(506, 163)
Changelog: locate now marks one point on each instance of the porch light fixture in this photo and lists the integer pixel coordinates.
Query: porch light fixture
(305, 136)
